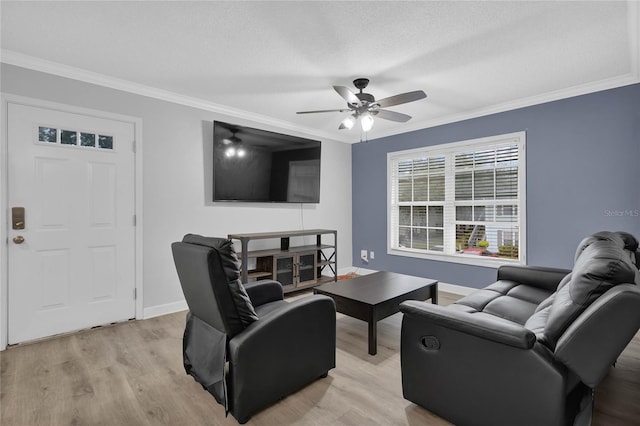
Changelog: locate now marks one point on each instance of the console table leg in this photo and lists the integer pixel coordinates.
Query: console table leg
(245, 260)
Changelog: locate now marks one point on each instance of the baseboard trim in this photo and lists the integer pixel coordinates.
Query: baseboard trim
(359, 271)
(449, 288)
(171, 308)
(167, 308)
(456, 289)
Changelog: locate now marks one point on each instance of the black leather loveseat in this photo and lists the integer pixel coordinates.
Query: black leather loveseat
(530, 348)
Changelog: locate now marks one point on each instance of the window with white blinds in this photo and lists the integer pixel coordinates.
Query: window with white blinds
(461, 202)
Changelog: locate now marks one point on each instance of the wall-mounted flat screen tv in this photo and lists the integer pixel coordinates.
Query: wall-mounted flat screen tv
(256, 165)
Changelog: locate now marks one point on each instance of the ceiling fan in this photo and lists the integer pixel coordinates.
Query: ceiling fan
(364, 106)
(234, 145)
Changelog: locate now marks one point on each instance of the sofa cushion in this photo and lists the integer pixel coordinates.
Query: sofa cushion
(479, 299)
(511, 308)
(505, 299)
(530, 294)
(235, 304)
(602, 261)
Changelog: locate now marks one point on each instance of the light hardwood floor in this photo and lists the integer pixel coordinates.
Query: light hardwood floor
(131, 374)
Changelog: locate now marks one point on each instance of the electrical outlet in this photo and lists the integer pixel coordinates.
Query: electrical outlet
(363, 255)
(372, 255)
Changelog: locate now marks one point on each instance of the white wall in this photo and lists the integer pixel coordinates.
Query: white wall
(177, 174)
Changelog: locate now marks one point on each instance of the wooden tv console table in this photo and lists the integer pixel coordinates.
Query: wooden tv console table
(294, 266)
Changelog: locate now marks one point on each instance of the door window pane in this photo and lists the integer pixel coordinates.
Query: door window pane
(105, 142)
(87, 139)
(68, 137)
(47, 134)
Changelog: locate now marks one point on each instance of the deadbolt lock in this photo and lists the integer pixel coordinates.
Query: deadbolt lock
(17, 217)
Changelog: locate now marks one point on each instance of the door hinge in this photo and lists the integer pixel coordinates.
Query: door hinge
(134, 220)
(135, 294)
(134, 146)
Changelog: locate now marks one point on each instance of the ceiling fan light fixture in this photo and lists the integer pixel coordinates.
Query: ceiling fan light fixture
(366, 122)
(364, 106)
(235, 150)
(234, 147)
(349, 122)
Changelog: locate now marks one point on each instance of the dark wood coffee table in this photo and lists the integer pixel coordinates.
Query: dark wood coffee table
(376, 296)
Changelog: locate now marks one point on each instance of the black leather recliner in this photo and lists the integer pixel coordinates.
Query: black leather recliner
(244, 344)
(530, 348)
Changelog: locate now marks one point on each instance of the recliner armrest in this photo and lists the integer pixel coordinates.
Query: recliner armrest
(485, 327)
(264, 291)
(534, 276)
(279, 329)
(599, 335)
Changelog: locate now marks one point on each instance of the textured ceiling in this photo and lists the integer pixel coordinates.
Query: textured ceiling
(266, 60)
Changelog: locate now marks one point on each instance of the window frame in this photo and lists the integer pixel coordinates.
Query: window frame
(449, 150)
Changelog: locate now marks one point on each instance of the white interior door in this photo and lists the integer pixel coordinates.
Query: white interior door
(72, 266)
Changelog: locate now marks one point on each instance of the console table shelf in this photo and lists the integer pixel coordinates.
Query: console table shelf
(295, 266)
(274, 251)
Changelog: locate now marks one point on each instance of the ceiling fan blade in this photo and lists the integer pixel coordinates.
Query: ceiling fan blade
(322, 110)
(393, 116)
(402, 98)
(348, 95)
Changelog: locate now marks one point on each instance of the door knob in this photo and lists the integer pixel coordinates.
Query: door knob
(18, 239)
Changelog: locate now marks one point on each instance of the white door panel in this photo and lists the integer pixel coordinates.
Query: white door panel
(74, 175)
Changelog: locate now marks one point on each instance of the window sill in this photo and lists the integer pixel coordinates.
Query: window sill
(475, 260)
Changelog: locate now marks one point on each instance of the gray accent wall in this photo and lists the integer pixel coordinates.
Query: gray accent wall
(583, 176)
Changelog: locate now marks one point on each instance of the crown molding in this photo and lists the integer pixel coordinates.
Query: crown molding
(583, 89)
(11, 57)
(25, 61)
